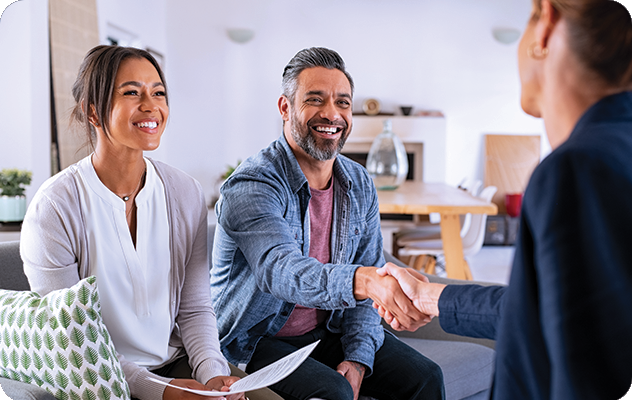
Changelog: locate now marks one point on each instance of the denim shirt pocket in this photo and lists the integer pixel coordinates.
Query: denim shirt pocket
(357, 229)
(297, 232)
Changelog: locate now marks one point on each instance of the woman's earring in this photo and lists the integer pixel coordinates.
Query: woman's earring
(537, 52)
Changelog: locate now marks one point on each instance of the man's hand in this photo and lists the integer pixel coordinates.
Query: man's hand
(385, 291)
(424, 295)
(354, 373)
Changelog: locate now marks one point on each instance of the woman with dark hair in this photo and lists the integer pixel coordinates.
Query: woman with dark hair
(563, 325)
(138, 225)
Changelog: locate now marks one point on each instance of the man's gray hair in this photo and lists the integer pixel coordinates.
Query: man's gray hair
(310, 58)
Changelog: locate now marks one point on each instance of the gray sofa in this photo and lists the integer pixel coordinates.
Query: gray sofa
(467, 364)
(12, 278)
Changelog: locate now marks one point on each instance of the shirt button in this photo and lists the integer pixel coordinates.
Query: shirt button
(284, 313)
(357, 231)
(344, 303)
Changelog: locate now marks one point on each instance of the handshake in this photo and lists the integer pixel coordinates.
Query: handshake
(402, 296)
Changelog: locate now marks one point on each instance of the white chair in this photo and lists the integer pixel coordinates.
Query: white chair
(472, 238)
(432, 229)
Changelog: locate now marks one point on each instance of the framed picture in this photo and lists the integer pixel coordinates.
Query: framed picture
(158, 56)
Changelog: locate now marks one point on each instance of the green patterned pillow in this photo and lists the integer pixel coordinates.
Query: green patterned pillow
(60, 343)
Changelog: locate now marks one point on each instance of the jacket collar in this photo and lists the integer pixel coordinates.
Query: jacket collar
(613, 108)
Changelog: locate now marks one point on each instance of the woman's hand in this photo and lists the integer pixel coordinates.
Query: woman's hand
(223, 383)
(424, 295)
(219, 383)
(171, 393)
(386, 292)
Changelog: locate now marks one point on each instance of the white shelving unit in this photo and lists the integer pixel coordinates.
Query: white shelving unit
(425, 137)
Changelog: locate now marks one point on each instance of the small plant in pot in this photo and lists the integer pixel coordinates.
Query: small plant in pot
(12, 199)
(222, 178)
(229, 171)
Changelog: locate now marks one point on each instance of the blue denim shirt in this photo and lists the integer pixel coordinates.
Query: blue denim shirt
(261, 268)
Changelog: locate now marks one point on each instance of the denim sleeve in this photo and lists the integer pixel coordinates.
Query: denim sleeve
(259, 213)
(363, 334)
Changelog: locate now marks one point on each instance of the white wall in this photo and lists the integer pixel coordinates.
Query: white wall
(433, 55)
(223, 95)
(145, 21)
(25, 126)
(24, 90)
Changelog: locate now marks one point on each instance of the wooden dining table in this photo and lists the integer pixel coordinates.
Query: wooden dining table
(419, 198)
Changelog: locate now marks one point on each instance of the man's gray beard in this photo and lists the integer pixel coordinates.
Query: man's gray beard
(307, 142)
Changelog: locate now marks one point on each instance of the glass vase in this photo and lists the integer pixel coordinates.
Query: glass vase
(387, 161)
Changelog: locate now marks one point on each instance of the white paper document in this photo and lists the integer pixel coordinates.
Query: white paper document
(264, 377)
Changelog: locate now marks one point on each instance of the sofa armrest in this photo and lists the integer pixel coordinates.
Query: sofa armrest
(11, 270)
(16, 390)
(433, 330)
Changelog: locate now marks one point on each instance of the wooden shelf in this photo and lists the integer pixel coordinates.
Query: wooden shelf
(382, 114)
(11, 226)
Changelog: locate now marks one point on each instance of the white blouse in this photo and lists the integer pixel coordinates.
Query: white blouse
(133, 282)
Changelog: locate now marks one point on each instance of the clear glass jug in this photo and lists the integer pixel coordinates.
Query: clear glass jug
(387, 161)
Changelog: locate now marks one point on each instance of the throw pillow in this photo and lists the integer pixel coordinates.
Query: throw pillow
(60, 343)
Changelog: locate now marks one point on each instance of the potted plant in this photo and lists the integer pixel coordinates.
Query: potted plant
(229, 171)
(220, 181)
(12, 199)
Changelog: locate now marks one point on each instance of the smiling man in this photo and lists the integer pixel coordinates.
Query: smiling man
(295, 252)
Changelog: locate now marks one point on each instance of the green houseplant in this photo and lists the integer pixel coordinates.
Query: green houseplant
(220, 181)
(12, 199)
(229, 170)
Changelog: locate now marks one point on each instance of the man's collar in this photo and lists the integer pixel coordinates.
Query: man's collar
(296, 177)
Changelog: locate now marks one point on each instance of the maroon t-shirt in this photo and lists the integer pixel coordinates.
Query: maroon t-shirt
(304, 319)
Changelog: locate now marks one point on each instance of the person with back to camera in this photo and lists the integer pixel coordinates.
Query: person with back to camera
(563, 325)
(138, 225)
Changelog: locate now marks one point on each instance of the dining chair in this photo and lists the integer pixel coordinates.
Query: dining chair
(431, 229)
(472, 239)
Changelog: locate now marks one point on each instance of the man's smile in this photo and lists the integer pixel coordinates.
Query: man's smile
(328, 129)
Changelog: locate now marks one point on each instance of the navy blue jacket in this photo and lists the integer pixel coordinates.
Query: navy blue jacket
(565, 320)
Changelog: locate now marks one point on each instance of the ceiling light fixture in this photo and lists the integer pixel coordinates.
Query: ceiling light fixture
(506, 35)
(240, 35)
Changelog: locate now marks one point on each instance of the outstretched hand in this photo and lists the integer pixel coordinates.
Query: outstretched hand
(424, 295)
(386, 292)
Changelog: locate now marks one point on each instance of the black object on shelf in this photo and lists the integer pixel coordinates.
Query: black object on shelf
(11, 226)
(501, 230)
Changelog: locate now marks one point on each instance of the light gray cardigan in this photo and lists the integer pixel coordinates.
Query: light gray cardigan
(54, 248)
